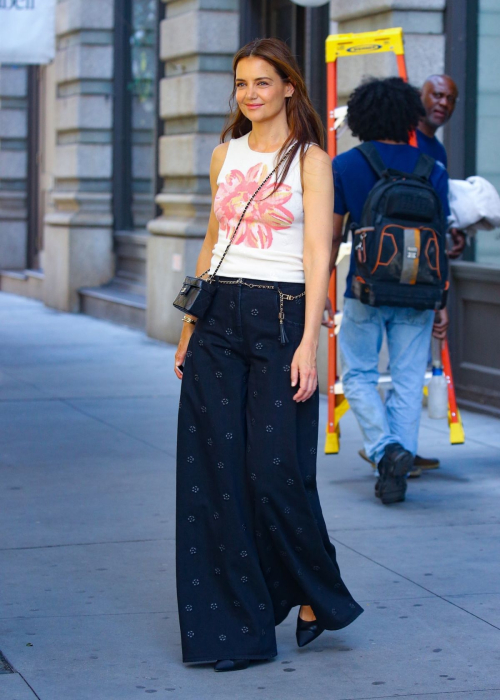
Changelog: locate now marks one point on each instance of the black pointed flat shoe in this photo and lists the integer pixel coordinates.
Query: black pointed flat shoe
(307, 631)
(231, 665)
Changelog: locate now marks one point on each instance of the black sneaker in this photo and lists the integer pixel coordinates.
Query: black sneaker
(393, 468)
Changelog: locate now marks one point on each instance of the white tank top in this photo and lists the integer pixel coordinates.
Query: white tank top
(269, 243)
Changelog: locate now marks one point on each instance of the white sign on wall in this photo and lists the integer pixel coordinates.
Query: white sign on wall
(27, 31)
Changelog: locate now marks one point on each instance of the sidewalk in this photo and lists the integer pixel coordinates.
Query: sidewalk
(87, 603)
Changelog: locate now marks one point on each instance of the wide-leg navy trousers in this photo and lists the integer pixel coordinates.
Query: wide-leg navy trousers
(251, 538)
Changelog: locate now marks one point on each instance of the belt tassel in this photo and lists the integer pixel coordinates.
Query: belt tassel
(283, 335)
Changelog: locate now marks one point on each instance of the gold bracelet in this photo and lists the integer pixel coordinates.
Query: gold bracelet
(188, 319)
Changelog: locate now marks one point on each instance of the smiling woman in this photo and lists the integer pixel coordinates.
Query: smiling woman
(251, 539)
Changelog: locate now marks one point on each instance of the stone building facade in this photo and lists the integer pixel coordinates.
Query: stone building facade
(104, 154)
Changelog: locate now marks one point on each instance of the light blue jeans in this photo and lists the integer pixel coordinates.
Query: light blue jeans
(360, 339)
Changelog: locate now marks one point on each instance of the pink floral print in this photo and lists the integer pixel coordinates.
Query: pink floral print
(265, 214)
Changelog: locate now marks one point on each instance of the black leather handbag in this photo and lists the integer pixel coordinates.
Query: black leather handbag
(197, 294)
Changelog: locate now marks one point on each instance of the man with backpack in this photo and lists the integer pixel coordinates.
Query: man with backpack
(397, 201)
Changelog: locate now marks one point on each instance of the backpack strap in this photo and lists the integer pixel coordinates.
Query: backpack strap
(424, 166)
(370, 152)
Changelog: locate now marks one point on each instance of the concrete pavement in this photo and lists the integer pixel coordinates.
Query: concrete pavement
(87, 602)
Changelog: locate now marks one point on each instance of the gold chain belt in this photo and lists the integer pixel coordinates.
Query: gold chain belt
(282, 295)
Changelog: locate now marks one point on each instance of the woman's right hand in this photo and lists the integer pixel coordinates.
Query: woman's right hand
(180, 354)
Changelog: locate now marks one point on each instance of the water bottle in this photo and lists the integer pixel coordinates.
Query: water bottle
(437, 405)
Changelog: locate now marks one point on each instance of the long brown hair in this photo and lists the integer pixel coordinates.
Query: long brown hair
(303, 121)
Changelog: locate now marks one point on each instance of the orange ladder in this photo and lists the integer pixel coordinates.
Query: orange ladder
(380, 41)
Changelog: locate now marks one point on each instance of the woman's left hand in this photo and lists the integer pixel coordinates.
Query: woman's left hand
(304, 371)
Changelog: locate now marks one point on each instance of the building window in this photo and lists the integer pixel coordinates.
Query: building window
(487, 243)
(135, 121)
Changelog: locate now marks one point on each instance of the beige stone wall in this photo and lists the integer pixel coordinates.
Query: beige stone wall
(78, 223)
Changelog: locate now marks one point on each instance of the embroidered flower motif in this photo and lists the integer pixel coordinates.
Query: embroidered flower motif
(253, 421)
(203, 409)
(265, 214)
(254, 312)
(264, 499)
(316, 568)
(276, 584)
(269, 428)
(222, 637)
(196, 377)
(190, 459)
(192, 550)
(213, 606)
(216, 516)
(190, 633)
(210, 442)
(243, 553)
(196, 582)
(192, 429)
(195, 489)
(278, 403)
(189, 608)
(224, 402)
(273, 528)
(253, 477)
(218, 375)
(211, 321)
(244, 630)
(255, 394)
(229, 331)
(229, 436)
(287, 510)
(286, 368)
(262, 606)
(259, 346)
(200, 342)
(298, 549)
(314, 423)
(189, 353)
(258, 533)
(222, 547)
(191, 518)
(244, 579)
(220, 465)
(217, 571)
(264, 370)
(299, 531)
(232, 305)
(236, 603)
(276, 460)
(308, 479)
(312, 450)
(227, 352)
(289, 482)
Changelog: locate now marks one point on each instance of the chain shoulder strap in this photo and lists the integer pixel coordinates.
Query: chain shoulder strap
(242, 215)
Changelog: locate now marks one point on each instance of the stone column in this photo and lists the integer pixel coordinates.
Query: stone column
(13, 167)
(198, 41)
(78, 228)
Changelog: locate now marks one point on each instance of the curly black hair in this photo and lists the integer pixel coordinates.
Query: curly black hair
(384, 109)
